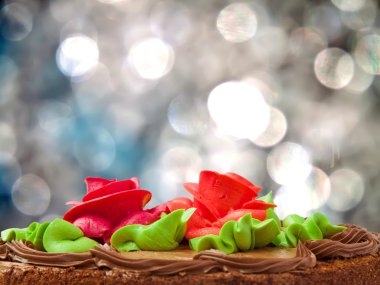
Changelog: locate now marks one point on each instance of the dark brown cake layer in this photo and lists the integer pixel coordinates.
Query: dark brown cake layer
(358, 270)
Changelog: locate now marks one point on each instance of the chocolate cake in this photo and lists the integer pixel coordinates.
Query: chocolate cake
(242, 250)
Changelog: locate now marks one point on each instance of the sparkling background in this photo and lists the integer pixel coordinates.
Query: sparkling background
(285, 93)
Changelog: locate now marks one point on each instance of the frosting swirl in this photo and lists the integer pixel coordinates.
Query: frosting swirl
(22, 252)
(204, 262)
(351, 242)
(304, 259)
(106, 257)
(3, 250)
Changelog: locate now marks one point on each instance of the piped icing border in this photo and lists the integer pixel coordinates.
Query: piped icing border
(22, 252)
(106, 257)
(351, 242)
(304, 259)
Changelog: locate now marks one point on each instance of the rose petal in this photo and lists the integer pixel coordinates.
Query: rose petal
(222, 192)
(179, 203)
(93, 226)
(73, 203)
(94, 183)
(239, 178)
(258, 205)
(109, 189)
(237, 214)
(201, 232)
(112, 207)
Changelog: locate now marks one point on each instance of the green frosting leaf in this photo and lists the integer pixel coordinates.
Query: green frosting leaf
(295, 228)
(33, 233)
(245, 234)
(164, 234)
(13, 234)
(270, 212)
(61, 237)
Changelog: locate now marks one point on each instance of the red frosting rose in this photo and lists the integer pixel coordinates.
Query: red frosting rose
(110, 205)
(218, 199)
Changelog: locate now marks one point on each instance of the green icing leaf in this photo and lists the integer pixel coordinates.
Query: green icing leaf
(245, 234)
(295, 228)
(61, 236)
(13, 234)
(164, 234)
(270, 212)
(33, 233)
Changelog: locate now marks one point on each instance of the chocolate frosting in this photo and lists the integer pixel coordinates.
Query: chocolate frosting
(22, 252)
(3, 251)
(351, 242)
(204, 262)
(304, 259)
(348, 243)
(106, 257)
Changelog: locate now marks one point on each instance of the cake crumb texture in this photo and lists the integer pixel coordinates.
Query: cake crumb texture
(359, 270)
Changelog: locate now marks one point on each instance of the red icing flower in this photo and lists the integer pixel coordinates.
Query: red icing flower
(219, 198)
(110, 205)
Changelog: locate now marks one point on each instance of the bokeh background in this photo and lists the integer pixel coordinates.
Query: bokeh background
(285, 93)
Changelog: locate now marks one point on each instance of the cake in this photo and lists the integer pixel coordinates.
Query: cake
(225, 235)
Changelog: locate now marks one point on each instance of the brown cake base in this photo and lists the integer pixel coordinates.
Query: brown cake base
(357, 270)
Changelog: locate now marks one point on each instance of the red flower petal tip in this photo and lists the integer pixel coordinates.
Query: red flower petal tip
(109, 204)
(220, 198)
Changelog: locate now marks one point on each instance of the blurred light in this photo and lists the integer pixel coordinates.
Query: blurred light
(31, 195)
(249, 163)
(318, 188)
(134, 83)
(334, 68)
(289, 164)
(97, 85)
(95, 149)
(325, 18)
(10, 171)
(112, 1)
(121, 113)
(8, 79)
(275, 131)
(267, 85)
(304, 197)
(367, 53)
(16, 22)
(184, 116)
(151, 58)
(49, 217)
(238, 109)
(77, 55)
(291, 200)
(178, 165)
(363, 17)
(237, 23)
(347, 189)
(8, 142)
(79, 26)
(54, 116)
(306, 42)
(268, 47)
(349, 5)
(182, 162)
(171, 22)
(63, 10)
(361, 81)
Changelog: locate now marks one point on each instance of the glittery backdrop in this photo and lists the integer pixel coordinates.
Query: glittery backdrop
(285, 93)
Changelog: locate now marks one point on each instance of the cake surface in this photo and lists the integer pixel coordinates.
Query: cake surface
(358, 270)
(351, 256)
